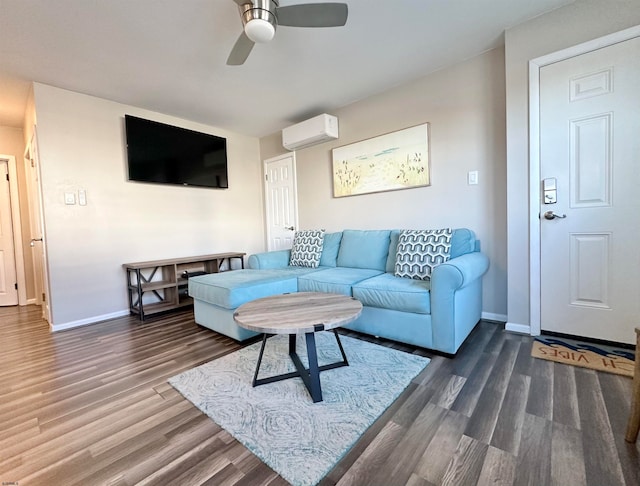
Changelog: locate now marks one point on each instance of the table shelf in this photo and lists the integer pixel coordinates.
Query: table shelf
(158, 285)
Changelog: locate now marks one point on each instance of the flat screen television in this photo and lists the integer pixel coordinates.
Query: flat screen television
(165, 154)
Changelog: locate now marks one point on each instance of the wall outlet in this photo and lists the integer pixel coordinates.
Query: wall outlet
(69, 198)
(82, 197)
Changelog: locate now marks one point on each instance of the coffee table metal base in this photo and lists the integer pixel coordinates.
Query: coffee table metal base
(310, 376)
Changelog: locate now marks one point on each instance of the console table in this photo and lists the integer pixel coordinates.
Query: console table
(162, 285)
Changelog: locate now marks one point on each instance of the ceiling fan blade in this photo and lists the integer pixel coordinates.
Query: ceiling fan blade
(240, 51)
(313, 15)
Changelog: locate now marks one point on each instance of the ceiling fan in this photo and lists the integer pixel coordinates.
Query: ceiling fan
(261, 17)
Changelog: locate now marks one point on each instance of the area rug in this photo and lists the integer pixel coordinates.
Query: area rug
(594, 356)
(300, 440)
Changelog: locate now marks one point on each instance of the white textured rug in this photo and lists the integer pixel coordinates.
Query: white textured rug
(278, 422)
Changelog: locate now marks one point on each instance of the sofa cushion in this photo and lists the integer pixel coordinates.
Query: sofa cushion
(306, 249)
(232, 289)
(420, 251)
(390, 292)
(330, 247)
(463, 241)
(337, 280)
(393, 250)
(364, 249)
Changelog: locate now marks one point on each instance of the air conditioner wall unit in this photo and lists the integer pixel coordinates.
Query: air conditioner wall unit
(318, 129)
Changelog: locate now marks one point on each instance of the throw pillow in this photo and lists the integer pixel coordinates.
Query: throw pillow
(420, 251)
(307, 248)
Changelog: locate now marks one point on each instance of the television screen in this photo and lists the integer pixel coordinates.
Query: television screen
(166, 154)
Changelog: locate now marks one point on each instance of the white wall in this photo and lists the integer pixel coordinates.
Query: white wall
(568, 26)
(82, 146)
(464, 105)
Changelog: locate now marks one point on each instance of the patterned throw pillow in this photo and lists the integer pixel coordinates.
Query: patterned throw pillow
(420, 251)
(307, 248)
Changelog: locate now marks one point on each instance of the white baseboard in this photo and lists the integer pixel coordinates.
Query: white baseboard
(490, 316)
(88, 320)
(519, 328)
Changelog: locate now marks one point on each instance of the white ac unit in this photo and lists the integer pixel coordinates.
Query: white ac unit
(310, 132)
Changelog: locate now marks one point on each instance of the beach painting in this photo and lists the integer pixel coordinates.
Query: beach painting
(398, 160)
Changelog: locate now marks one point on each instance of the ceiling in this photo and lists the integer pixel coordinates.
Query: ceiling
(169, 56)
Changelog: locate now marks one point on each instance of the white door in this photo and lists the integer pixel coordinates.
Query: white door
(281, 202)
(38, 249)
(8, 281)
(590, 150)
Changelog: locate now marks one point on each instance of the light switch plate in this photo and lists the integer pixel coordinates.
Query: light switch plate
(82, 197)
(472, 177)
(69, 198)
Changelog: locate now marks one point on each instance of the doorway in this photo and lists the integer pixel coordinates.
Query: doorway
(8, 242)
(38, 246)
(583, 207)
(281, 201)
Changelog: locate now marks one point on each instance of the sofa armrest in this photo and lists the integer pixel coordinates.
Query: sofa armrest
(456, 299)
(460, 272)
(270, 259)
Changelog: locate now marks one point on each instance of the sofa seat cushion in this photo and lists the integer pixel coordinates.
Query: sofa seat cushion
(337, 280)
(390, 292)
(232, 289)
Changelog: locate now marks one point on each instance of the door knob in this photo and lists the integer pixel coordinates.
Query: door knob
(552, 215)
(290, 228)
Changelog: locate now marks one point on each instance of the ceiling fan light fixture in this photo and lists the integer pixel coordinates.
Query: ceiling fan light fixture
(260, 19)
(259, 30)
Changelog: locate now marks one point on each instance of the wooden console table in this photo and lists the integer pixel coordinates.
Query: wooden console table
(162, 285)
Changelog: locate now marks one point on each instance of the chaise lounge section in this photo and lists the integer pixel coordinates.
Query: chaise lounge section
(436, 313)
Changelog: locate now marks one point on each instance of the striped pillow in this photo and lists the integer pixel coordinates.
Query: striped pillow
(307, 248)
(420, 251)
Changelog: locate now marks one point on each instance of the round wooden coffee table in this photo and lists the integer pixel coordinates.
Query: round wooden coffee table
(300, 313)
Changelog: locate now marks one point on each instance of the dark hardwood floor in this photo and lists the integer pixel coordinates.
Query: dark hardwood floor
(91, 406)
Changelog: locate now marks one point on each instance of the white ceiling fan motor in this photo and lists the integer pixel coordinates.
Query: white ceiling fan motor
(259, 20)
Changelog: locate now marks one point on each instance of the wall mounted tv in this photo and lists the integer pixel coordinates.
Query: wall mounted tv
(165, 154)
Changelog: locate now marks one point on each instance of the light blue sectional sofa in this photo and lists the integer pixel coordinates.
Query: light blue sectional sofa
(436, 314)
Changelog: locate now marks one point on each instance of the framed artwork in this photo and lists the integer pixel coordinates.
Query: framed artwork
(397, 160)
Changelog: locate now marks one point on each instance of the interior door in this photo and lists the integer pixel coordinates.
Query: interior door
(590, 205)
(8, 290)
(281, 203)
(41, 278)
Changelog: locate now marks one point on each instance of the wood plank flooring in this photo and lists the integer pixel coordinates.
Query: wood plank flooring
(91, 406)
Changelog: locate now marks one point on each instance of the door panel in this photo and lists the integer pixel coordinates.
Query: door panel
(38, 248)
(281, 201)
(590, 161)
(590, 264)
(8, 291)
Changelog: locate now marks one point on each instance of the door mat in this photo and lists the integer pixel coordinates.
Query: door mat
(593, 356)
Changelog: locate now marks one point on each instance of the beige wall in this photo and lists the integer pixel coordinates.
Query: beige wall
(464, 105)
(571, 25)
(82, 146)
(12, 143)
